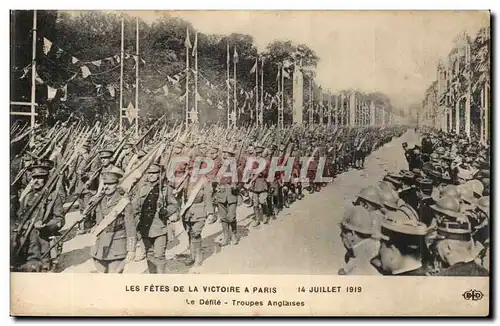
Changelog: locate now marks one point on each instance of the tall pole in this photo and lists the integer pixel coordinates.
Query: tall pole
(195, 77)
(137, 80)
(341, 112)
(261, 111)
(228, 63)
(121, 83)
(257, 90)
(33, 77)
(329, 109)
(188, 45)
(280, 113)
(311, 113)
(235, 60)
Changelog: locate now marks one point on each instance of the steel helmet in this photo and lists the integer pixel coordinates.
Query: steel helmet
(358, 219)
(477, 187)
(450, 190)
(449, 206)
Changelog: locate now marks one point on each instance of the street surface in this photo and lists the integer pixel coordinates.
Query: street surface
(304, 239)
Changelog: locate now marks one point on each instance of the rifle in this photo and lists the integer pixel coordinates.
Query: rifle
(94, 201)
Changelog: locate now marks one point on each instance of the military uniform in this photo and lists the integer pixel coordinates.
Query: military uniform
(259, 189)
(196, 215)
(153, 207)
(118, 238)
(226, 198)
(85, 188)
(49, 220)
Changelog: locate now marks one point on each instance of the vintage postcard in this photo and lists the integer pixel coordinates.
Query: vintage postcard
(250, 163)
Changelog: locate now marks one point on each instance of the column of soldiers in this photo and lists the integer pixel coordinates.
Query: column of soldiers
(136, 223)
(431, 219)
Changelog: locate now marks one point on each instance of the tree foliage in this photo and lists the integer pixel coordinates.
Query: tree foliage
(94, 35)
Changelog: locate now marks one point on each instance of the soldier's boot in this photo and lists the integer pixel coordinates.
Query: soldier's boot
(140, 251)
(54, 266)
(234, 233)
(198, 253)
(286, 199)
(267, 213)
(226, 234)
(258, 215)
(190, 259)
(152, 268)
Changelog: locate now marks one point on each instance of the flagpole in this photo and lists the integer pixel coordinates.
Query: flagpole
(282, 107)
(187, 77)
(33, 77)
(137, 81)
(121, 83)
(227, 82)
(196, 75)
(321, 108)
(311, 113)
(341, 109)
(257, 90)
(329, 109)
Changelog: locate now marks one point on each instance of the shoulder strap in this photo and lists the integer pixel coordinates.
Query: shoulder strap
(201, 182)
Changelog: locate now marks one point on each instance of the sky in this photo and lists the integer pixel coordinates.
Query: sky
(394, 52)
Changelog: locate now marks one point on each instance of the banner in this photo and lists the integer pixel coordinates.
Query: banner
(298, 96)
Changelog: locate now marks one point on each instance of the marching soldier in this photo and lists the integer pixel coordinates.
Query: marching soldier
(259, 189)
(48, 217)
(154, 206)
(86, 185)
(116, 244)
(126, 156)
(197, 207)
(356, 231)
(226, 199)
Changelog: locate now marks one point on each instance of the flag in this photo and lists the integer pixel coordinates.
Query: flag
(187, 42)
(51, 92)
(85, 71)
(195, 46)
(96, 63)
(75, 60)
(254, 68)
(286, 74)
(111, 90)
(235, 56)
(47, 45)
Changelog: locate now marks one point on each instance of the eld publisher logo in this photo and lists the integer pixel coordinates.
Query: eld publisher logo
(473, 295)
